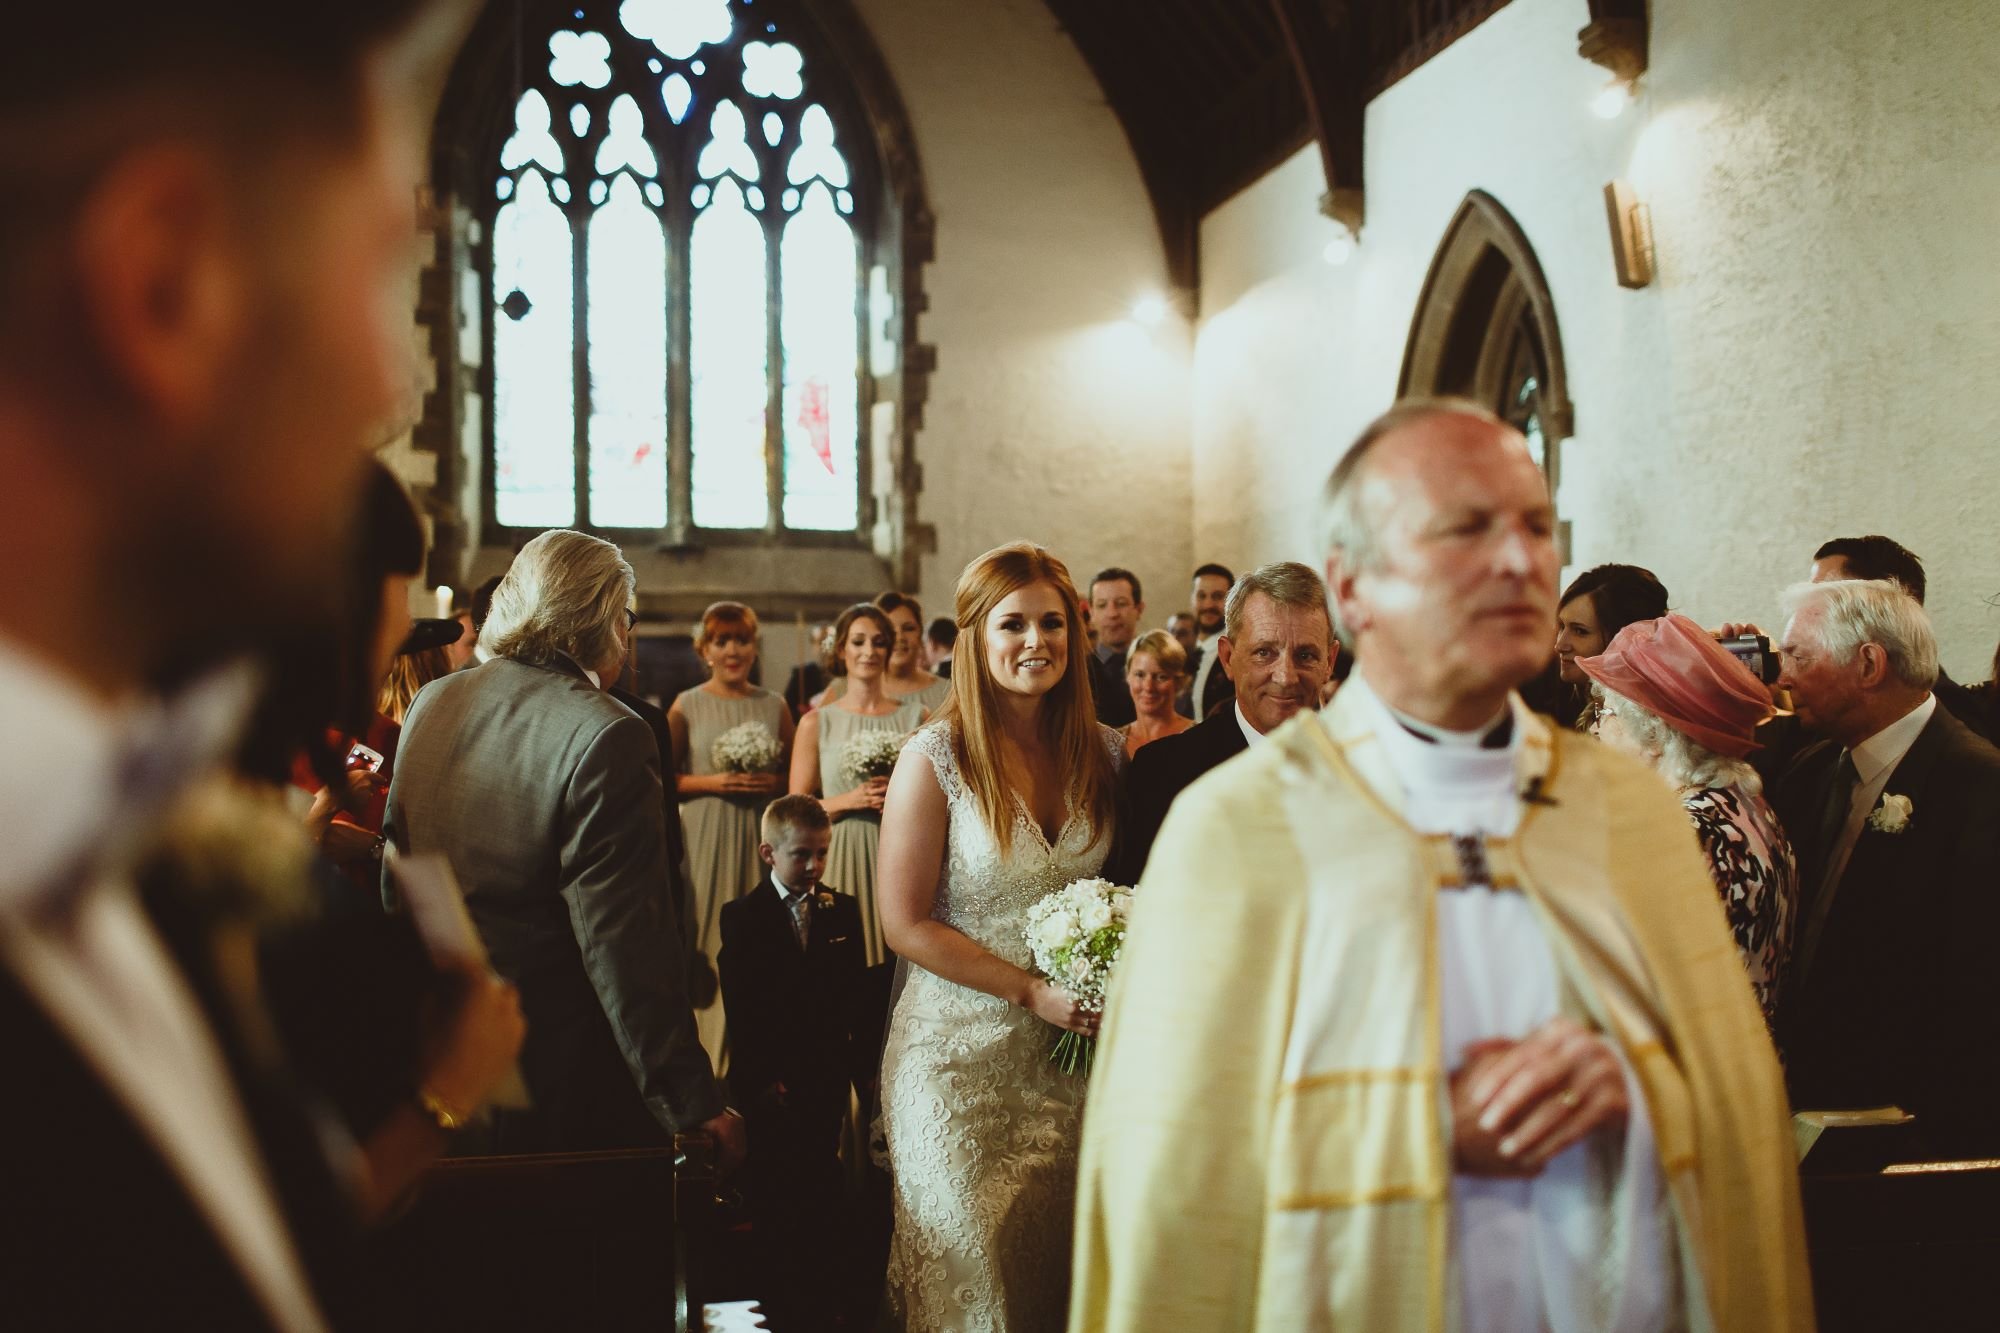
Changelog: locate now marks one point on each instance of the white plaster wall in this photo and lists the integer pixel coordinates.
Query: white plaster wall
(1052, 416)
(1814, 359)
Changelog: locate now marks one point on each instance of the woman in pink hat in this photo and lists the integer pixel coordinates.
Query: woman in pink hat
(1674, 697)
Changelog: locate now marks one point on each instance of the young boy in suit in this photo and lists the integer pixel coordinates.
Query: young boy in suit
(792, 965)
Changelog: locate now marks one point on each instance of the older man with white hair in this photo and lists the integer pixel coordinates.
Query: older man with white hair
(1429, 1018)
(544, 793)
(1893, 996)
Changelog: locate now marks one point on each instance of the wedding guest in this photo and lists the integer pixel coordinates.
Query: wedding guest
(1181, 625)
(826, 745)
(720, 805)
(1597, 604)
(459, 652)
(939, 640)
(1006, 796)
(1892, 998)
(544, 795)
(1427, 1017)
(1116, 604)
(482, 603)
(1208, 598)
(1276, 651)
(380, 1032)
(1153, 677)
(1673, 696)
(792, 972)
(190, 381)
(1877, 557)
(906, 678)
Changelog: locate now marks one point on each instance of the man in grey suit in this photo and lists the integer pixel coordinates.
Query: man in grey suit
(544, 793)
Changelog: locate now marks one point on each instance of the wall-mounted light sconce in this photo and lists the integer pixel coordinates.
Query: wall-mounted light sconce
(1631, 235)
(1612, 101)
(1340, 246)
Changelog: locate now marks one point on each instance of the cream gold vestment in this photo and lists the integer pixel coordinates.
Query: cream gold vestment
(1201, 1156)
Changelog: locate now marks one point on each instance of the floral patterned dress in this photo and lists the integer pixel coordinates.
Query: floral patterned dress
(1751, 862)
(982, 1129)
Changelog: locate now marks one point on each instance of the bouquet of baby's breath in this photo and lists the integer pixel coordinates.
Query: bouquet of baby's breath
(1076, 935)
(748, 747)
(871, 754)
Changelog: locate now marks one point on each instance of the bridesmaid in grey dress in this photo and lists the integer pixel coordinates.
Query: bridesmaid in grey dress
(907, 678)
(720, 810)
(863, 640)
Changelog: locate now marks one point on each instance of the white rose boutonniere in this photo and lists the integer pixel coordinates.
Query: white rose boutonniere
(1891, 814)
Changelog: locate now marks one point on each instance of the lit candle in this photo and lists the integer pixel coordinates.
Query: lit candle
(444, 602)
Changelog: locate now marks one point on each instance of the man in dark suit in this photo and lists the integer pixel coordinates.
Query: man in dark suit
(1116, 604)
(940, 641)
(1892, 996)
(1208, 679)
(544, 793)
(191, 380)
(792, 967)
(1877, 557)
(1277, 648)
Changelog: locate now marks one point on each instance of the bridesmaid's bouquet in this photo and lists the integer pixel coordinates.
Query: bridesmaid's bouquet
(871, 754)
(1076, 935)
(748, 747)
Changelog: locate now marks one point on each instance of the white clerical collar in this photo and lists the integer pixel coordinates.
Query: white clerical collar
(1250, 733)
(85, 781)
(1886, 748)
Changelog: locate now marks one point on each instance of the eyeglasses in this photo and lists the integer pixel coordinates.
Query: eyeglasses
(631, 618)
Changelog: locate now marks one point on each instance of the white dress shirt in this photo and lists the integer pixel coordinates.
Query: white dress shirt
(1208, 656)
(1250, 733)
(1875, 761)
(85, 787)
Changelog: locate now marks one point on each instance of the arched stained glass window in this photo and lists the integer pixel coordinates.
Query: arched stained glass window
(678, 280)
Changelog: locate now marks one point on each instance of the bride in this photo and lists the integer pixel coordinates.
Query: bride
(1003, 799)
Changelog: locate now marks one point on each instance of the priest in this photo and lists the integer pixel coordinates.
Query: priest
(1429, 1018)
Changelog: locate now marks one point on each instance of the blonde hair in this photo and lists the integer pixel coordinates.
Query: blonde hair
(792, 814)
(1068, 714)
(563, 595)
(408, 673)
(1163, 648)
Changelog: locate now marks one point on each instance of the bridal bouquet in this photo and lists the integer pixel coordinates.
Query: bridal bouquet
(748, 747)
(1076, 934)
(871, 754)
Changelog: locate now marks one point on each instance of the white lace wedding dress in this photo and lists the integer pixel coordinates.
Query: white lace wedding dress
(981, 1128)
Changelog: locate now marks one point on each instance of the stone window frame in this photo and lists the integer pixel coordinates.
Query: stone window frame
(475, 116)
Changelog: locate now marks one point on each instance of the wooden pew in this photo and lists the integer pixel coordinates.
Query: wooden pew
(1913, 1245)
(541, 1243)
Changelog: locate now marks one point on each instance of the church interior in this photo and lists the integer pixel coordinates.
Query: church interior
(1152, 262)
(797, 301)
(1128, 274)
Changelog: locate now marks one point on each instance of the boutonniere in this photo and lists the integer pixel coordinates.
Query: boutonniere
(823, 899)
(1891, 814)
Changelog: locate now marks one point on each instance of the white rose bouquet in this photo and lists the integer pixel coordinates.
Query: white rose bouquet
(748, 747)
(871, 754)
(1076, 935)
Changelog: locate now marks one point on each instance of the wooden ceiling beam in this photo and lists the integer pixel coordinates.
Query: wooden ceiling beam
(1330, 75)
